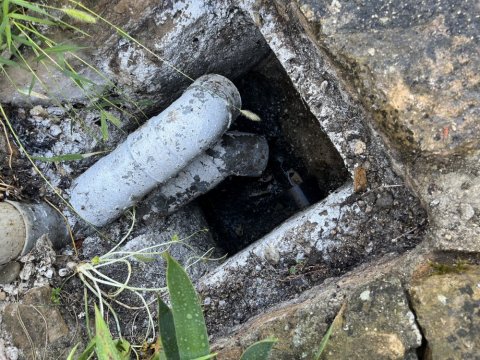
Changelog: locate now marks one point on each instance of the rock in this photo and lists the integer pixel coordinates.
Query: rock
(384, 200)
(415, 65)
(39, 317)
(455, 204)
(375, 323)
(447, 309)
(376, 297)
(10, 272)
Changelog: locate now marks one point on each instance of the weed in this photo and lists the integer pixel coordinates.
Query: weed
(55, 296)
(182, 330)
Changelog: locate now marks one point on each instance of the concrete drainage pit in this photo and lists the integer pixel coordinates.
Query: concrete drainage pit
(329, 199)
(303, 165)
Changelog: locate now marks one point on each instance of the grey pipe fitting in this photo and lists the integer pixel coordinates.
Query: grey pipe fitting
(239, 154)
(157, 151)
(22, 224)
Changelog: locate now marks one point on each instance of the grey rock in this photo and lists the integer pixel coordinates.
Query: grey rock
(41, 319)
(376, 323)
(447, 309)
(9, 273)
(384, 200)
(414, 64)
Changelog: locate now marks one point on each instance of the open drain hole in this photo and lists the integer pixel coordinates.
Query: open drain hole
(303, 167)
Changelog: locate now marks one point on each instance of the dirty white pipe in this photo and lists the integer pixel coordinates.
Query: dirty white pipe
(21, 225)
(157, 151)
(237, 153)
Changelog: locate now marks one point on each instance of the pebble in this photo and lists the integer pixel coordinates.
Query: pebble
(467, 211)
(55, 130)
(384, 201)
(63, 272)
(38, 110)
(27, 271)
(3, 296)
(359, 147)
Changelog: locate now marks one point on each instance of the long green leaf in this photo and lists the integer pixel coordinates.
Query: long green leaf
(105, 347)
(166, 326)
(123, 347)
(62, 48)
(113, 119)
(72, 352)
(103, 126)
(5, 61)
(28, 92)
(23, 40)
(66, 157)
(143, 258)
(30, 6)
(30, 19)
(326, 337)
(190, 328)
(79, 79)
(259, 351)
(323, 343)
(32, 84)
(8, 34)
(207, 357)
(89, 349)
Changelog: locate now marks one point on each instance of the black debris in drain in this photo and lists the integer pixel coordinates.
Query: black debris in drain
(303, 165)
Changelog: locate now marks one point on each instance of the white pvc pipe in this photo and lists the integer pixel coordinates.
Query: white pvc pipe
(21, 225)
(156, 151)
(237, 153)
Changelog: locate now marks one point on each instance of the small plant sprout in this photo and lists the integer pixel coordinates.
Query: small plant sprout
(91, 275)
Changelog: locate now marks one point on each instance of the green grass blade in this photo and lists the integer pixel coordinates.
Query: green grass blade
(30, 19)
(166, 327)
(59, 158)
(259, 351)
(190, 328)
(32, 84)
(143, 258)
(123, 347)
(29, 93)
(79, 15)
(89, 349)
(23, 40)
(207, 357)
(72, 353)
(59, 49)
(5, 61)
(103, 126)
(105, 346)
(66, 157)
(63, 48)
(8, 34)
(324, 342)
(326, 337)
(30, 6)
(113, 119)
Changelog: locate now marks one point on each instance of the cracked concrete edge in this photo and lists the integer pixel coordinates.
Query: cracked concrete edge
(322, 86)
